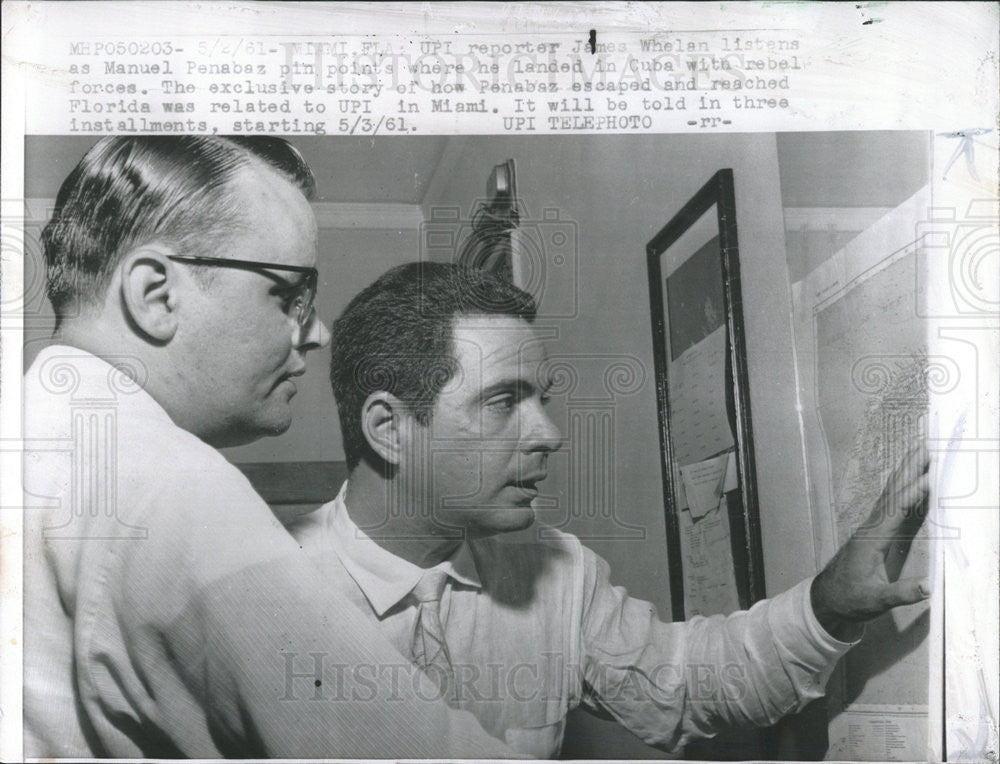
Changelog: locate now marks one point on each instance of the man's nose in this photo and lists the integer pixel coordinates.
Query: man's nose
(539, 432)
(314, 334)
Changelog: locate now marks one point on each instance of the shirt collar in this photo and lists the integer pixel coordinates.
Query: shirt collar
(384, 578)
(83, 376)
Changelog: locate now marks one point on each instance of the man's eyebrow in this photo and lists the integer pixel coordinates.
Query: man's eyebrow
(518, 385)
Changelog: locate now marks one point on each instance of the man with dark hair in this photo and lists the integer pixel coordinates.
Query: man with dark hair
(167, 613)
(441, 389)
(397, 336)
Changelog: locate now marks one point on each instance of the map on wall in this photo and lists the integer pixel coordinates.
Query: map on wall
(864, 369)
(872, 363)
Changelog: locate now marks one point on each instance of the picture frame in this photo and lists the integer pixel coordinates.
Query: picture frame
(703, 407)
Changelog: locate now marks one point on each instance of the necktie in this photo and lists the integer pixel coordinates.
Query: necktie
(428, 647)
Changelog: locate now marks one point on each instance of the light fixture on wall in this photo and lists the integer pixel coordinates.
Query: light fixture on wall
(489, 245)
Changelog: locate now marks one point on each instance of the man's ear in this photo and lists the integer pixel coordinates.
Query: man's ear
(385, 421)
(149, 291)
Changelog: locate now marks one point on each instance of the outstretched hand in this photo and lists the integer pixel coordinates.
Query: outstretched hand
(862, 581)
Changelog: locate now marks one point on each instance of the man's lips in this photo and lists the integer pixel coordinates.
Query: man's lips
(528, 483)
(288, 378)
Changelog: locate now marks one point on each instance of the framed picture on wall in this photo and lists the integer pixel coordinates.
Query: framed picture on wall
(703, 407)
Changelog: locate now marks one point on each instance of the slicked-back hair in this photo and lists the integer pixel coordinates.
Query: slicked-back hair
(130, 191)
(396, 336)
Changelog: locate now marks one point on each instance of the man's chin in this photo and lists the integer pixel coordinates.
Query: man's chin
(250, 432)
(526, 520)
(276, 428)
(503, 521)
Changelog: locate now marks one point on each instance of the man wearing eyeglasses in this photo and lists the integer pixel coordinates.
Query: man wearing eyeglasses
(166, 613)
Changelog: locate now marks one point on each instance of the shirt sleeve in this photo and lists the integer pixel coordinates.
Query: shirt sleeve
(670, 683)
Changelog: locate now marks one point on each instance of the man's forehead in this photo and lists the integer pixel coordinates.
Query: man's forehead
(259, 181)
(494, 343)
(275, 207)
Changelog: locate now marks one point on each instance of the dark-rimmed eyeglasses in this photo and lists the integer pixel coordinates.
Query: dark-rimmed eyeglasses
(301, 295)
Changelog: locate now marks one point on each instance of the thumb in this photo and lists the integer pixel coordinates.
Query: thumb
(906, 591)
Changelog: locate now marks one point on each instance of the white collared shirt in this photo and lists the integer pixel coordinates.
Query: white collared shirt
(167, 614)
(384, 577)
(534, 628)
